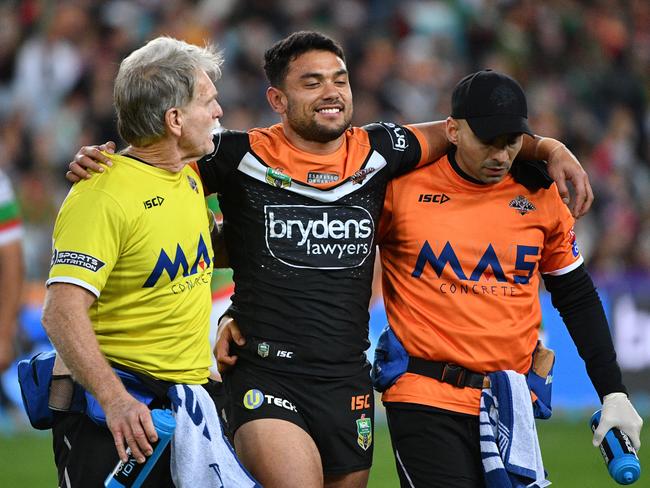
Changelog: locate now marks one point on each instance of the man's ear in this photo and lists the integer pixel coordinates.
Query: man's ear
(451, 128)
(174, 121)
(277, 99)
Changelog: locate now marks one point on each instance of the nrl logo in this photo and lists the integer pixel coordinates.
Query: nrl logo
(358, 177)
(522, 205)
(364, 432)
(263, 349)
(277, 178)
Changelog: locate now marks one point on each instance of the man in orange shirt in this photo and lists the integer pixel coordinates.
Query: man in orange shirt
(462, 247)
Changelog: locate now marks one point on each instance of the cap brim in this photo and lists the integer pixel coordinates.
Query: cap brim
(487, 128)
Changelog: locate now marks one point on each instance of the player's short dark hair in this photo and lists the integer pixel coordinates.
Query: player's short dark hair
(278, 57)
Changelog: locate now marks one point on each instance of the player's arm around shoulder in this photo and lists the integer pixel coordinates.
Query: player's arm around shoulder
(435, 137)
(88, 159)
(562, 166)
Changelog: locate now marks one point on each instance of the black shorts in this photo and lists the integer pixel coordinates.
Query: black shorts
(85, 453)
(338, 413)
(435, 448)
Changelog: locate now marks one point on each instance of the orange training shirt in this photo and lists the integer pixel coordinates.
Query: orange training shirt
(460, 274)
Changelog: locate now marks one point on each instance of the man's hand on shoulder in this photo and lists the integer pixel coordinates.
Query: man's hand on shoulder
(563, 166)
(89, 158)
(227, 332)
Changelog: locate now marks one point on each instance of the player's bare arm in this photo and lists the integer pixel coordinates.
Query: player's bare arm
(65, 318)
(563, 166)
(11, 279)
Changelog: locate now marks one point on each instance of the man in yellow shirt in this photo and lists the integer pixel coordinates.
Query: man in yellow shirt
(129, 284)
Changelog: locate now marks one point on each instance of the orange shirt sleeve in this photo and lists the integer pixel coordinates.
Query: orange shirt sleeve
(424, 146)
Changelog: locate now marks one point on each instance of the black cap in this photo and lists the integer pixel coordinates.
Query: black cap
(492, 103)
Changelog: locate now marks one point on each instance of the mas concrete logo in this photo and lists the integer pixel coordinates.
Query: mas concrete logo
(322, 237)
(199, 273)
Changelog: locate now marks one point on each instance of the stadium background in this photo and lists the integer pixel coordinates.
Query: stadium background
(584, 64)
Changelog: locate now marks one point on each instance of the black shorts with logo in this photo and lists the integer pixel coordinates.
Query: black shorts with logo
(338, 413)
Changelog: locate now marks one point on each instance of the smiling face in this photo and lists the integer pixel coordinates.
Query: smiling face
(486, 161)
(315, 100)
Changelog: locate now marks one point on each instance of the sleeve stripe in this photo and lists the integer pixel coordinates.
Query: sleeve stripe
(73, 281)
(9, 224)
(11, 234)
(566, 269)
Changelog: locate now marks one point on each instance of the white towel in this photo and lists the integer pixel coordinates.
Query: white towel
(201, 456)
(509, 444)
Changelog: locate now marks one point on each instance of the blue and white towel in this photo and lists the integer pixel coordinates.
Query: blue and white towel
(509, 446)
(200, 454)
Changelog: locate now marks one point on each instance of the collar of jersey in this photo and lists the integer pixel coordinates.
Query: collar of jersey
(466, 181)
(146, 167)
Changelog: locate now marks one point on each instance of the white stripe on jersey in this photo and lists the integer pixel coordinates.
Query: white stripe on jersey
(566, 269)
(252, 167)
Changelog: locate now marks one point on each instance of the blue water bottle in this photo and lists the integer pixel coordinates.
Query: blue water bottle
(619, 454)
(131, 474)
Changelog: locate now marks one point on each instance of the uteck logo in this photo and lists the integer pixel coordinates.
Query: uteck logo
(326, 237)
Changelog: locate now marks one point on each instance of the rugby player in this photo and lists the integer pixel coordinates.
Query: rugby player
(301, 202)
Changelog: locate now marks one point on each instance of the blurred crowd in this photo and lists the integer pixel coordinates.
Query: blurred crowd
(584, 64)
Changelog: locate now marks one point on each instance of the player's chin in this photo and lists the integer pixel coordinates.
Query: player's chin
(200, 150)
(334, 126)
(491, 180)
(493, 175)
(206, 148)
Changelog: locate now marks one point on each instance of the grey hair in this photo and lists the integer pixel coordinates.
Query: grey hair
(151, 80)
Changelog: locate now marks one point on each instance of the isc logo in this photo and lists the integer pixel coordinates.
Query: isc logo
(433, 198)
(285, 354)
(360, 402)
(156, 201)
